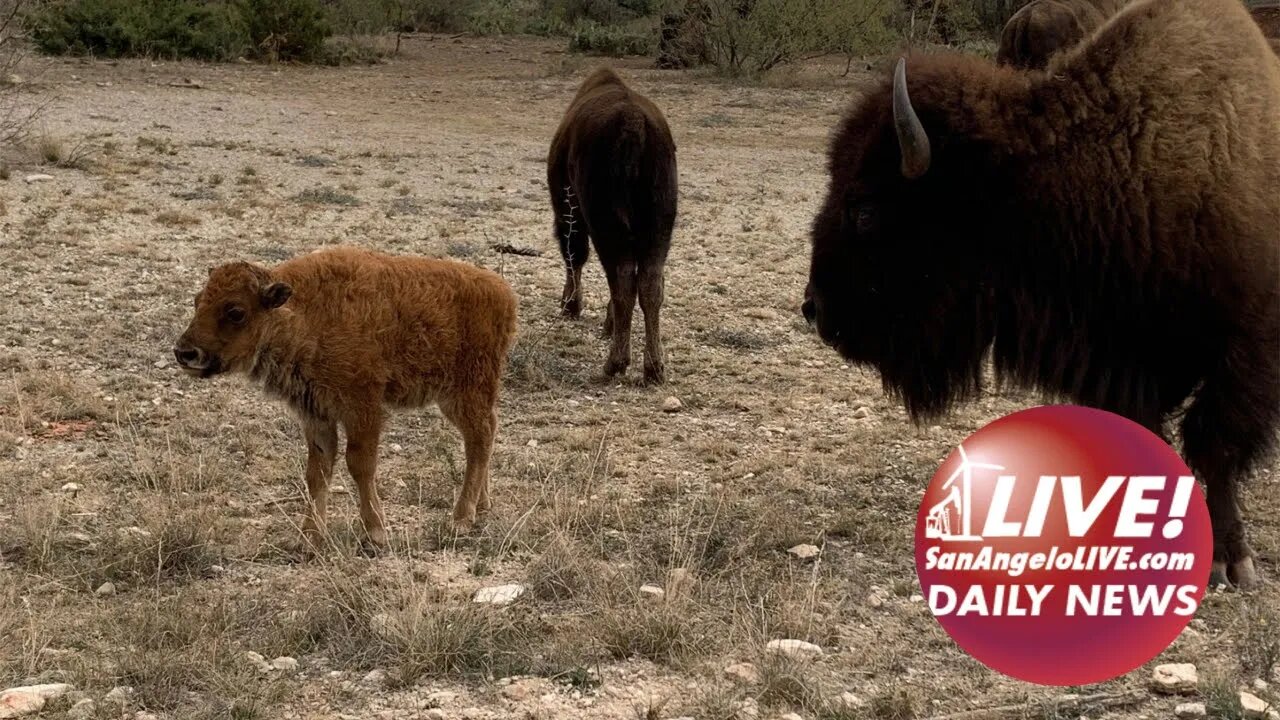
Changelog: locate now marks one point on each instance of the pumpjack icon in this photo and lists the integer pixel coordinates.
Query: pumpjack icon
(952, 519)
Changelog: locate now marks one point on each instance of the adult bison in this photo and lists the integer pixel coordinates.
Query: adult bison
(612, 176)
(1044, 27)
(1110, 233)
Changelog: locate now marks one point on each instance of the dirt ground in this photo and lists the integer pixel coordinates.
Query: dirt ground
(149, 522)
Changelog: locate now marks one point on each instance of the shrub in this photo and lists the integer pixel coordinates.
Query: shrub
(286, 29)
(748, 38)
(118, 28)
(591, 37)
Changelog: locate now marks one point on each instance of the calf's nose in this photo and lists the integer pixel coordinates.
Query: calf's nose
(188, 355)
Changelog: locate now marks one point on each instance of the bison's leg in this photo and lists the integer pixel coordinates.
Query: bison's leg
(474, 416)
(622, 303)
(651, 289)
(362, 461)
(574, 248)
(1225, 430)
(322, 451)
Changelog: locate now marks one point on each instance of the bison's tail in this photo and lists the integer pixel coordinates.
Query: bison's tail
(631, 176)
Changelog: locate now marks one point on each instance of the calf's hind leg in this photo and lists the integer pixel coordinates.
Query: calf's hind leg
(651, 290)
(362, 460)
(322, 451)
(622, 304)
(475, 417)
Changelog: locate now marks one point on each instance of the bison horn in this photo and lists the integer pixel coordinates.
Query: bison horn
(912, 139)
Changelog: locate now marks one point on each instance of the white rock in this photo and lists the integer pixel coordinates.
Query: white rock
(793, 648)
(72, 488)
(141, 715)
(680, 582)
(436, 714)
(790, 716)
(532, 443)
(652, 593)
(861, 413)
(397, 448)
(285, 664)
(106, 589)
(38, 177)
(849, 701)
(1255, 707)
(671, 404)
(805, 551)
(499, 594)
(1190, 710)
(85, 709)
(258, 661)
(119, 695)
(1175, 678)
(1260, 685)
(375, 677)
(743, 673)
(520, 690)
(19, 701)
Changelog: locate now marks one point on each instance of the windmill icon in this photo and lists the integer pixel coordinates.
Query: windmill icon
(959, 501)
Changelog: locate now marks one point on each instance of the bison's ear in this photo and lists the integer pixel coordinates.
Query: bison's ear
(275, 295)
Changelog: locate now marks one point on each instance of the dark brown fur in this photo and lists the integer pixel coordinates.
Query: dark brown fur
(1106, 231)
(341, 333)
(1044, 27)
(612, 176)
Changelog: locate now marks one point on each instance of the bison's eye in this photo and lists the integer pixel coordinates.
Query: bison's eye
(234, 315)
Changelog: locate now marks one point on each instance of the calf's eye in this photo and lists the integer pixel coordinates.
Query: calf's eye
(235, 315)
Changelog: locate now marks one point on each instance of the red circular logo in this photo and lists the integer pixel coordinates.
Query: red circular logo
(1063, 545)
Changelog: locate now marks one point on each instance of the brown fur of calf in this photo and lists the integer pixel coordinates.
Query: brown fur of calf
(612, 176)
(339, 334)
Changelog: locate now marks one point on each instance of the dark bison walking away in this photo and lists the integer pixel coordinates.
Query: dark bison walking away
(612, 175)
(1110, 233)
(340, 333)
(1044, 27)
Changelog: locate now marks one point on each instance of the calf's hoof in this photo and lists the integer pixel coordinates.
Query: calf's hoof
(464, 520)
(378, 537)
(1240, 573)
(571, 309)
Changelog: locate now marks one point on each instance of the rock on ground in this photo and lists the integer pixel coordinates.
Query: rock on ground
(85, 709)
(1175, 678)
(743, 673)
(804, 551)
(1190, 710)
(793, 648)
(30, 699)
(499, 594)
(1255, 707)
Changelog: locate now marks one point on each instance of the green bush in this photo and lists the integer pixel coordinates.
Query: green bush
(613, 40)
(118, 28)
(286, 29)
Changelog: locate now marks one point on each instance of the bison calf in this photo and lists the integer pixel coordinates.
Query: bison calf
(339, 334)
(612, 175)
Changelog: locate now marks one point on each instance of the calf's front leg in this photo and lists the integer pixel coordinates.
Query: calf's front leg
(322, 449)
(363, 433)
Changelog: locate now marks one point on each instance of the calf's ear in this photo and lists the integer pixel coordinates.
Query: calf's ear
(275, 295)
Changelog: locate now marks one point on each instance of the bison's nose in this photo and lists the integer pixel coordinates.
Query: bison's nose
(188, 356)
(810, 312)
